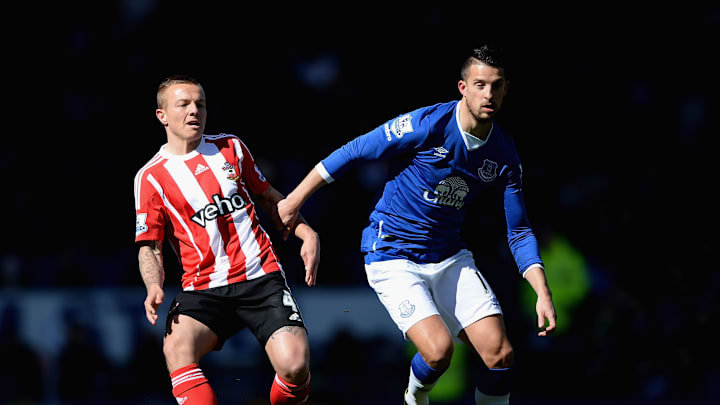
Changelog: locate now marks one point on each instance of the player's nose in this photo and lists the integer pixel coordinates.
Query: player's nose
(193, 108)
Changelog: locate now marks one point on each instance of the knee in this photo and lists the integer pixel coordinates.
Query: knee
(177, 353)
(500, 357)
(293, 368)
(439, 355)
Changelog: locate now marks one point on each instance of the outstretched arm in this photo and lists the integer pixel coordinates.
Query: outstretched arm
(289, 208)
(153, 275)
(269, 201)
(402, 134)
(544, 307)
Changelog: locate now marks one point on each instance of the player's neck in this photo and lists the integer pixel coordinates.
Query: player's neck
(471, 125)
(179, 146)
(481, 130)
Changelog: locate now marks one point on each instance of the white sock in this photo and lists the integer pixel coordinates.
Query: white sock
(484, 399)
(417, 392)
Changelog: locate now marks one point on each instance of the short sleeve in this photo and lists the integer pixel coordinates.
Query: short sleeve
(251, 174)
(149, 209)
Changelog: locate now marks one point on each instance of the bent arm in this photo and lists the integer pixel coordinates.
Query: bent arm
(310, 251)
(289, 208)
(270, 201)
(402, 134)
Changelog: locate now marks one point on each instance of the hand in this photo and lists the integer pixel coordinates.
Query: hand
(288, 212)
(545, 310)
(310, 253)
(155, 297)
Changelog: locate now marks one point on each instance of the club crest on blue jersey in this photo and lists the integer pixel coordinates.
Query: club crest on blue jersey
(231, 172)
(450, 192)
(488, 171)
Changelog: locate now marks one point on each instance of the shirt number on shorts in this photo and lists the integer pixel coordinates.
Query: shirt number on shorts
(288, 301)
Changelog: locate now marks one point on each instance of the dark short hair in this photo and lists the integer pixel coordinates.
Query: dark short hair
(171, 81)
(488, 54)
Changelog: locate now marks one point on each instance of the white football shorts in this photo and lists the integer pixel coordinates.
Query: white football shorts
(453, 289)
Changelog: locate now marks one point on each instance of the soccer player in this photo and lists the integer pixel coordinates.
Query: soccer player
(414, 257)
(199, 193)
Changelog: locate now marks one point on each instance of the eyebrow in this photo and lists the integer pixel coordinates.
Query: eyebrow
(499, 79)
(201, 100)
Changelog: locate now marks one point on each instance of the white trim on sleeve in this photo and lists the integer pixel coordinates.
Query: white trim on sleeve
(532, 266)
(324, 173)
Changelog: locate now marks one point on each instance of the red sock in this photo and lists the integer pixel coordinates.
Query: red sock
(190, 387)
(282, 392)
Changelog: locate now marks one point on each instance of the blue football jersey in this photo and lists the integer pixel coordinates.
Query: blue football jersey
(421, 211)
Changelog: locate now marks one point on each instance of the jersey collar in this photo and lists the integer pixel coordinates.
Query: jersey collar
(472, 142)
(186, 156)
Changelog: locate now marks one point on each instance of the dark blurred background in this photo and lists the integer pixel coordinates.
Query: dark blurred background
(611, 108)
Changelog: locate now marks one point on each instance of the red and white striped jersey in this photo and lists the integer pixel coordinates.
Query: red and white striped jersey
(200, 202)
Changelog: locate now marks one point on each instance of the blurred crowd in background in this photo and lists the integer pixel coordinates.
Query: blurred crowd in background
(612, 111)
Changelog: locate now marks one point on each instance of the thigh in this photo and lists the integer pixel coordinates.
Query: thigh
(209, 308)
(269, 307)
(403, 293)
(432, 339)
(489, 340)
(462, 294)
(186, 341)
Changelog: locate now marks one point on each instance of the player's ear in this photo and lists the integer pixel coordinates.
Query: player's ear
(462, 86)
(160, 114)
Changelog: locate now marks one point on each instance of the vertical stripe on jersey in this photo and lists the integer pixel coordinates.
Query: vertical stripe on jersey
(197, 199)
(232, 256)
(248, 249)
(261, 237)
(178, 217)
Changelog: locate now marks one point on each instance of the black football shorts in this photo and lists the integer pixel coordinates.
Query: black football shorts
(262, 305)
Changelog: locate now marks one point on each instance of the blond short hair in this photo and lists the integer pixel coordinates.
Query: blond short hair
(171, 81)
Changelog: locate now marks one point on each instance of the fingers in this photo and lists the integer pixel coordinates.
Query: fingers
(151, 311)
(551, 325)
(310, 253)
(309, 277)
(546, 330)
(541, 321)
(152, 303)
(311, 264)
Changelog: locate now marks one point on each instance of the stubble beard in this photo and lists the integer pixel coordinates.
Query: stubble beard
(482, 118)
